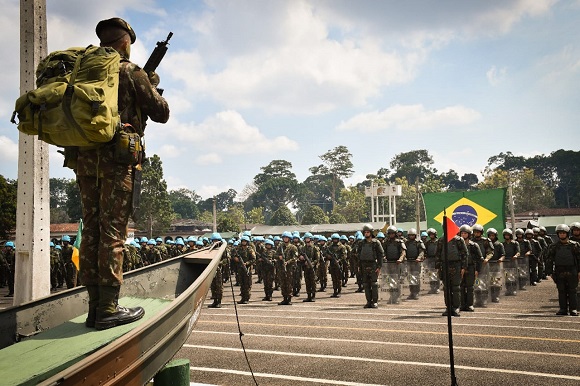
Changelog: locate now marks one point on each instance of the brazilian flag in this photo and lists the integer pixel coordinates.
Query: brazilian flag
(484, 207)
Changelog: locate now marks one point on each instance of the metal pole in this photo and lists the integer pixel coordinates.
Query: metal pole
(32, 266)
(372, 202)
(449, 299)
(417, 209)
(511, 203)
(214, 215)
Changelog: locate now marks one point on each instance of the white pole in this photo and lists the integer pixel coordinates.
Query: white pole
(32, 272)
(372, 201)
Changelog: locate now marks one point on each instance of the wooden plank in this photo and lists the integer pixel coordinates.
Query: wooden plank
(39, 357)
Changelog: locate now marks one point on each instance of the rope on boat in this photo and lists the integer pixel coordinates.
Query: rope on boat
(241, 334)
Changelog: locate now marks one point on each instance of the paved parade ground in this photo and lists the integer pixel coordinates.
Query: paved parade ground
(518, 341)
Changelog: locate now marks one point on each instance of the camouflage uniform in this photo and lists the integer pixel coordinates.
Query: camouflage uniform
(267, 260)
(246, 256)
(54, 265)
(346, 263)
(107, 186)
(10, 258)
(313, 254)
(217, 284)
(153, 255)
(335, 253)
(287, 256)
(3, 269)
(322, 270)
(70, 269)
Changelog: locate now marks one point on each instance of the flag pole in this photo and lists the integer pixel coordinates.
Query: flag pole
(449, 298)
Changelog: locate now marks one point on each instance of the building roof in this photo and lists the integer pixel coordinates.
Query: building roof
(313, 228)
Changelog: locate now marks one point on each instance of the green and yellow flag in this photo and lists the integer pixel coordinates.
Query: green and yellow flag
(484, 207)
(77, 245)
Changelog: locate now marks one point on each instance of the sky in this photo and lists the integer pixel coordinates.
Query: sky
(249, 82)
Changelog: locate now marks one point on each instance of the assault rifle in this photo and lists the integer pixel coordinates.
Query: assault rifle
(282, 263)
(157, 56)
(152, 63)
(333, 258)
(307, 259)
(242, 263)
(267, 261)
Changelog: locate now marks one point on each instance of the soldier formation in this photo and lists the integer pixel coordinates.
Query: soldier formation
(479, 268)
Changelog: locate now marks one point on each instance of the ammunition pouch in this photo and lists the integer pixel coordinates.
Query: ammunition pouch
(129, 148)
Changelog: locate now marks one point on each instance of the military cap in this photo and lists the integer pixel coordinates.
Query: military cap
(116, 22)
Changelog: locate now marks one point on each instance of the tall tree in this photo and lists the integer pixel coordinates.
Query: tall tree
(156, 211)
(276, 185)
(223, 201)
(74, 208)
(337, 165)
(566, 164)
(352, 205)
(255, 215)
(58, 200)
(412, 165)
(336, 218)
(283, 216)
(314, 215)
(531, 193)
(184, 203)
(8, 196)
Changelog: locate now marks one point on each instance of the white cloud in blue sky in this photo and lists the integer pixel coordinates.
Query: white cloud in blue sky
(252, 81)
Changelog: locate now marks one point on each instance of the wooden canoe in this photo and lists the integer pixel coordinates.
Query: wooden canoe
(45, 341)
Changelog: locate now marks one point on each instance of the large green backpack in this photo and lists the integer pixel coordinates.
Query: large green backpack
(75, 103)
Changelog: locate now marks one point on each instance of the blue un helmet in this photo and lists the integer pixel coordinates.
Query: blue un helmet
(380, 235)
(59, 247)
(9, 244)
(343, 237)
(335, 236)
(144, 239)
(307, 235)
(287, 234)
(277, 238)
(269, 242)
(66, 238)
(151, 242)
(199, 243)
(424, 234)
(245, 238)
(216, 237)
(180, 242)
(51, 244)
(322, 238)
(295, 235)
(170, 242)
(159, 240)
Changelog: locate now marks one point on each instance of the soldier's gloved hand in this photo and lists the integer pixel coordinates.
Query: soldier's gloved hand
(153, 78)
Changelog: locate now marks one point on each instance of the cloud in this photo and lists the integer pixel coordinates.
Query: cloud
(9, 151)
(227, 132)
(208, 159)
(495, 75)
(169, 151)
(555, 72)
(283, 57)
(410, 117)
(207, 191)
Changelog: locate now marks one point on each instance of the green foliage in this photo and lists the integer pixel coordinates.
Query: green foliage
(336, 166)
(276, 186)
(314, 215)
(337, 218)
(227, 224)
(74, 208)
(412, 165)
(206, 216)
(222, 201)
(58, 196)
(8, 190)
(283, 216)
(352, 206)
(255, 216)
(531, 193)
(156, 210)
(184, 203)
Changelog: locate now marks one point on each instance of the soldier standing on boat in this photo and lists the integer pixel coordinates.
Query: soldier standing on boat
(106, 185)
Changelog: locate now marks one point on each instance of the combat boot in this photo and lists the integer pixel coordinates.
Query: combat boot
(573, 313)
(110, 313)
(93, 291)
(307, 300)
(216, 304)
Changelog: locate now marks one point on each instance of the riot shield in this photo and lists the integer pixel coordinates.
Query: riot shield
(510, 268)
(481, 287)
(431, 276)
(495, 279)
(413, 269)
(523, 272)
(390, 283)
